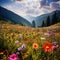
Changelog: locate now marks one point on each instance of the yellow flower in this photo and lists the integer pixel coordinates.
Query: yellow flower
(12, 34)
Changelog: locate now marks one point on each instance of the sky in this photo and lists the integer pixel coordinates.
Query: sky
(30, 8)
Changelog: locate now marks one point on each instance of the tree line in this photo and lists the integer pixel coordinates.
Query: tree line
(55, 19)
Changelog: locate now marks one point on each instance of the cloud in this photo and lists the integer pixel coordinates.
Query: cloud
(33, 7)
(29, 3)
(42, 2)
(15, 10)
(55, 5)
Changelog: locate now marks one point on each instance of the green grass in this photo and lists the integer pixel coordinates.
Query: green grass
(10, 33)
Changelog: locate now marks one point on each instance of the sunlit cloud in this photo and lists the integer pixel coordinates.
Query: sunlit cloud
(33, 7)
(15, 10)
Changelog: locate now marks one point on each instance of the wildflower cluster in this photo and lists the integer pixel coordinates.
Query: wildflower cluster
(17, 43)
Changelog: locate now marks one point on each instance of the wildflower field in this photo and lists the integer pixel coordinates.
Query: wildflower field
(25, 43)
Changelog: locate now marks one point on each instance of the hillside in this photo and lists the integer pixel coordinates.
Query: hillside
(41, 18)
(7, 25)
(8, 15)
(16, 28)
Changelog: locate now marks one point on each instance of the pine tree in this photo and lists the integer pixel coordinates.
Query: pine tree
(58, 20)
(48, 21)
(43, 24)
(33, 23)
(54, 18)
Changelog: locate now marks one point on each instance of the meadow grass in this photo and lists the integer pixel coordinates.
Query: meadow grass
(26, 43)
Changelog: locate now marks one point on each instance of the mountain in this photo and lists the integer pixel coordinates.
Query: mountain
(39, 19)
(10, 16)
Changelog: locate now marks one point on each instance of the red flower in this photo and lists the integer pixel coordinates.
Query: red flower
(47, 47)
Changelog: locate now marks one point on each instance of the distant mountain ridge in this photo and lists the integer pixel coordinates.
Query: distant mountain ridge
(10, 16)
(37, 21)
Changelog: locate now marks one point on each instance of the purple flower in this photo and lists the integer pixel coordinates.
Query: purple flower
(23, 46)
(51, 34)
(13, 57)
(55, 43)
(17, 53)
(20, 48)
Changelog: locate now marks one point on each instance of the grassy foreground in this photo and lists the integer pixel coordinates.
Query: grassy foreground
(25, 43)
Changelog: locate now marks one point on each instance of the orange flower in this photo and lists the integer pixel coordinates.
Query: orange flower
(35, 46)
(47, 47)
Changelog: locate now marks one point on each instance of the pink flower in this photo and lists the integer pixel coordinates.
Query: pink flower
(55, 47)
(13, 57)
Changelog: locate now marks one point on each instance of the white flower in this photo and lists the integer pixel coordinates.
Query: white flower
(47, 34)
(42, 38)
(16, 41)
(20, 35)
(23, 46)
